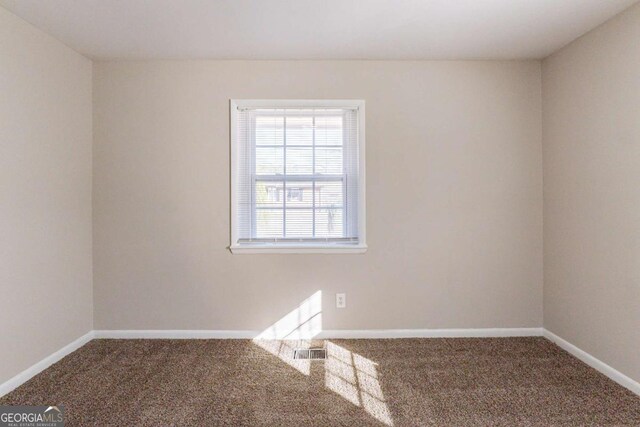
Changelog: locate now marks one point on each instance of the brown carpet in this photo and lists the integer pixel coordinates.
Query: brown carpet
(402, 382)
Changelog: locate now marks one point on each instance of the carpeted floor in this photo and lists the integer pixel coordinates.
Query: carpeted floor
(402, 382)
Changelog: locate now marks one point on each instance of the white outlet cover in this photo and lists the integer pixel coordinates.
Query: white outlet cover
(341, 300)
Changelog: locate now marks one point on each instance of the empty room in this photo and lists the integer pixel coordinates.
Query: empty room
(319, 213)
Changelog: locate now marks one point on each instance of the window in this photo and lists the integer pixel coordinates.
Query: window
(297, 176)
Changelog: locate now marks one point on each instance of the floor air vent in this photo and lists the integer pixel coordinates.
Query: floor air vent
(310, 354)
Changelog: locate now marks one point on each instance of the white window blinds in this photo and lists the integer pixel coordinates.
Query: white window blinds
(296, 177)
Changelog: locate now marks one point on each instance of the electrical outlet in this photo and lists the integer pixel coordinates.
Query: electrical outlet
(341, 300)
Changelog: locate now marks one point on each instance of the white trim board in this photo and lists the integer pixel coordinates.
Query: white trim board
(327, 334)
(595, 363)
(431, 333)
(173, 334)
(35, 369)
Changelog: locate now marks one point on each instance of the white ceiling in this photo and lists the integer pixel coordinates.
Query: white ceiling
(316, 29)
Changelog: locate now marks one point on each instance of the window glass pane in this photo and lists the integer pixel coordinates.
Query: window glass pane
(269, 160)
(329, 223)
(329, 161)
(269, 223)
(329, 194)
(299, 161)
(299, 130)
(296, 173)
(299, 223)
(269, 194)
(329, 130)
(300, 194)
(269, 130)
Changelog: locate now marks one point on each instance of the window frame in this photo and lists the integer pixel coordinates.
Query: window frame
(298, 247)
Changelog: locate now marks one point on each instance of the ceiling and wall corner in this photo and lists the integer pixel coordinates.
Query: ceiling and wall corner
(316, 29)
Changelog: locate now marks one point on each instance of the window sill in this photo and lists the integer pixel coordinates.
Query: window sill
(298, 249)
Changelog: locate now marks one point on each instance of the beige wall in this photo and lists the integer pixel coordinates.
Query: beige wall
(454, 197)
(592, 193)
(45, 195)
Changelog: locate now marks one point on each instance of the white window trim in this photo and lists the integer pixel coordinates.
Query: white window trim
(291, 248)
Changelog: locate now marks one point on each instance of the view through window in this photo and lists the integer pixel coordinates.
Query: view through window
(297, 177)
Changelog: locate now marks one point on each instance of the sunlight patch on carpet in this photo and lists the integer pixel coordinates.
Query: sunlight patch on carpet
(355, 378)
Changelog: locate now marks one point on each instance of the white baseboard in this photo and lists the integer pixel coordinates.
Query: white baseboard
(327, 334)
(28, 373)
(431, 333)
(597, 364)
(174, 334)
